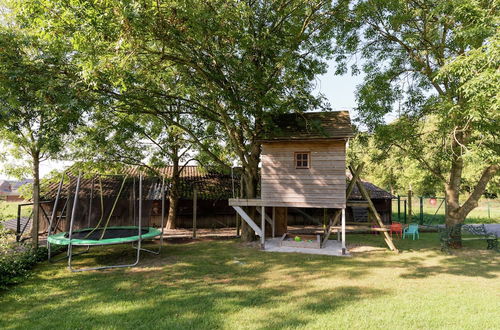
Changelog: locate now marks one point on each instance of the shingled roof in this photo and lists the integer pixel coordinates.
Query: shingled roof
(310, 126)
(374, 191)
(210, 185)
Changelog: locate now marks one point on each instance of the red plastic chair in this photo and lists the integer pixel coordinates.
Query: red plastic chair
(397, 228)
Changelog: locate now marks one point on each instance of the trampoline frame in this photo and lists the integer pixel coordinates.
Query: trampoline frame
(152, 232)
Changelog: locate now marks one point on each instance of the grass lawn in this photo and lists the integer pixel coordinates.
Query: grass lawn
(226, 284)
(488, 211)
(8, 210)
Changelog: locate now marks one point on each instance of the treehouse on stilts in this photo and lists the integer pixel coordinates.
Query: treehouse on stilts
(303, 166)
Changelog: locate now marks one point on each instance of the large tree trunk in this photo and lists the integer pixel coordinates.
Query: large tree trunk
(36, 198)
(251, 179)
(456, 213)
(173, 196)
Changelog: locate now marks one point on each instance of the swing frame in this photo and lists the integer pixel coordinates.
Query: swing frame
(71, 242)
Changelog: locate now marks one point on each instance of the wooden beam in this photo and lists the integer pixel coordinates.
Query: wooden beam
(336, 217)
(263, 226)
(248, 220)
(195, 202)
(366, 196)
(361, 228)
(268, 219)
(357, 204)
(246, 202)
(343, 232)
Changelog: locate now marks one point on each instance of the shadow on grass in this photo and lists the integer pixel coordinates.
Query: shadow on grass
(208, 284)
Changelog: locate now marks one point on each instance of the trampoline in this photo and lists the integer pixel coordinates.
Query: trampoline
(119, 217)
(112, 235)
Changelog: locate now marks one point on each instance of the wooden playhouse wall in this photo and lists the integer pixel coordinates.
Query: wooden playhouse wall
(323, 185)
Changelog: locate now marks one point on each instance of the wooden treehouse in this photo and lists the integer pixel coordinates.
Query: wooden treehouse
(303, 164)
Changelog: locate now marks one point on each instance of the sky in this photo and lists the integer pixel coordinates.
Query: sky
(338, 90)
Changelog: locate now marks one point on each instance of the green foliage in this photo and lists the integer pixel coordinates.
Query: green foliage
(223, 66)
(39, 94)
(15, 265)
(416, 55)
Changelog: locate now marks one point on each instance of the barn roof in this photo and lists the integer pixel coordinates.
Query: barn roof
(374, 191)
(210, 185)
(310, 126)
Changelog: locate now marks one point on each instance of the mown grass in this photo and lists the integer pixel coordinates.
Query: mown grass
(488, 211)
(228, 285)
(8, 210)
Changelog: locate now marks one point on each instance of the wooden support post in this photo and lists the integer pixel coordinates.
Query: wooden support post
(274, 222)
(366, 196)
(336, 216)
(18, 225)
(343, 232)
(280, 220)
(195, 205)
(238, 221)
(248, 220)
(263, 226)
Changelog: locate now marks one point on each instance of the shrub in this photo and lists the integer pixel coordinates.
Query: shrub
(16, 265)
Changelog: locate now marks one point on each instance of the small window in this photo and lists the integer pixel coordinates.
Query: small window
(302, 159)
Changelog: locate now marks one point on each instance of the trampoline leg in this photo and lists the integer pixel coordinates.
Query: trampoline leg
(67, 255)
(70, 267)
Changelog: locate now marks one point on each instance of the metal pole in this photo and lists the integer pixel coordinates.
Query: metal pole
(421, 210)
(399, 208)
(72, 220)
(410, 205)
(54, 212)
(162, 211)
(133, 208)
(140, 215)
(404, 211)
(90, 202)
(489, 215)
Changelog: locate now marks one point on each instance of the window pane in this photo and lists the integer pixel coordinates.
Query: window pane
(304, 156)
(299, 163)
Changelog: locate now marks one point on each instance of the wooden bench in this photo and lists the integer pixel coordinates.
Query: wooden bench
(478, 231)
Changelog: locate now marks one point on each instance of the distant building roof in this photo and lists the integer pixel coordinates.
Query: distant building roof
(310, 126)
(5, 186)
(17, 184)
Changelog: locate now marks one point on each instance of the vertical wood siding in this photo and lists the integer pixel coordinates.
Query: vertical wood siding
(322, 185)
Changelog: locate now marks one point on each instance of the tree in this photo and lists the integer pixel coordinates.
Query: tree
(41, 101)
(415, 56)
(239, 62)
(117, 138)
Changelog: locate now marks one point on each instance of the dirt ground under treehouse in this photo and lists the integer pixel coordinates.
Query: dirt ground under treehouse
(226, 284)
